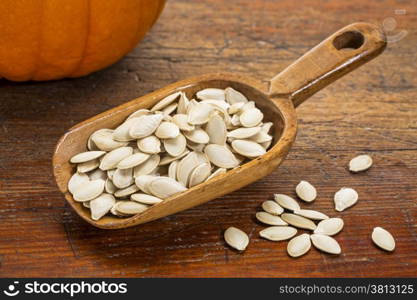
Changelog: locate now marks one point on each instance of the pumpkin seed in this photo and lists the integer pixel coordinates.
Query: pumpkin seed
(110, 187)
(175, 146)
(198, 136)
(235, 108)
(330, 226)
(143, 182)
(112, 158)
(345, 198)
(199, 174)
(145, 126)
(164, 187)
(76, 180)
(248, 148)
(150, 144)
(145, 199)
(211, 93)
(133, 160)
(167, 130)
(88, 190)
(169, 159)
(278, 233)
(325, 243)
(166, 101)
(181, 120)
(261, 137)
(305, 191)
(138, 113)
(216, 104)
(360, 163)
(251, 117)
(169, 110)
(269, 219)
(232, 96)
(183, 104)
(186, 166)
(110, 173)
(244, 133)
(172, 170)
(121, 133)
(103, 140)
(298, 221)
(299, 245)
(88, 166)
(86, 156)
(216, 130)
(218, 172)
(383, 239)
(122, 178)
(286, 202)
(126, 191)
(130, 207)
(272, 207)
(236, 238)
(221, 156)
(235, 120)
(147, 167)
(266, 127)
(311, 214)
(101, 205)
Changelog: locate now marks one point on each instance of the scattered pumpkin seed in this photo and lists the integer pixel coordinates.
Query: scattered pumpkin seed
(345, 198)
(299, 245)
(330, 226)
(325, 243)
(305, 191)
(383, 239)
(360, 163)
(298, 221)
(236, 238)
(278, 233)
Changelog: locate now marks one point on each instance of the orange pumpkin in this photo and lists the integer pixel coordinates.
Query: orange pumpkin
(52, 39)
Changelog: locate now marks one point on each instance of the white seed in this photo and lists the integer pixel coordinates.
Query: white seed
(232, 96)
(138, 113)
(126, 191)
(286, 202)
(272, 207)
(86, 156)
(248, 148)
(330, 226)
(200, 113)
(181, 120)
(111, 159)
(166, 101)
(211, 93)
(244, 133)
(186, 166)
(122, 178)
(218, 172)
(325, 243)
(103, 139)
(235, 108)
(266, 127)
(222, 105)
(76, 180)
(169, 110)
(133, 160)
(121, 133)
(345, 198)
(299, 245)
(150, 144)
(311, 214)
(164, 187)
(147, 167)
(130, 207)
(88, 190)
(221, 156)
(199, 174)
(198, 136)
(88, 166)
(101, 205)
(97, 174)
(172, 169)
(278, 233)
(236, 238)
(143, 182)
(248, 105)
(251, 117)
(110, 187)
(167, 130)
(360, 163)
(261, 137)
(383, 239)
(145, 126)
(145, 199)
(305, 191)
(269, 219)
(175, 146)
(110, 173)
(235, 120)
(216, 130)
(298, 221)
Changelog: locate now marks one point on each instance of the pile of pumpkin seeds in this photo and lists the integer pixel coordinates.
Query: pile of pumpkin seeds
(157, 153)
(286, 217)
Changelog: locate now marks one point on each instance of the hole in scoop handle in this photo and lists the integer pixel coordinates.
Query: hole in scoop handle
(342, 52)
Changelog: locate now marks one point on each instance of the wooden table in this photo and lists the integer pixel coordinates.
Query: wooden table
(372, 111)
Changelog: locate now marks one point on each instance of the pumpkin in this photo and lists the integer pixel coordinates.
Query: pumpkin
(52, 39)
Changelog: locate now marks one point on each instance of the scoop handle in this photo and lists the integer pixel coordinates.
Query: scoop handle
(342, 52)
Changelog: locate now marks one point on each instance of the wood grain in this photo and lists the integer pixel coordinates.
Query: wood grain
(372, 110)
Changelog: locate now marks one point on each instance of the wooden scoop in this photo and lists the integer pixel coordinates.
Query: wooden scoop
(339, 54)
